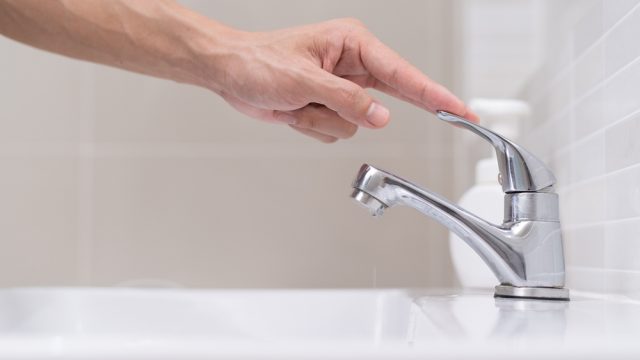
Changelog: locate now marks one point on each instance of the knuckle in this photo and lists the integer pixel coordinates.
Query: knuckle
(335, 39)
(280, 116)
(328, 139)
(345, 26)
(305, 121)
(394, 77)
(352, 21)
(350, 131)
(354, 101)
(349, 94)
(359, 101)
(425, 93)
(426, 90)
(371, 82)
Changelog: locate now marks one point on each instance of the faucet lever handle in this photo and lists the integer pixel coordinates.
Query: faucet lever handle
(520, 171)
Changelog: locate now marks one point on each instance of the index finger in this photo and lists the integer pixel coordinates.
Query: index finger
(387, 66)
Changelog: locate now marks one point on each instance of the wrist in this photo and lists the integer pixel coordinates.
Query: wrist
(210, 46)
(203, 46)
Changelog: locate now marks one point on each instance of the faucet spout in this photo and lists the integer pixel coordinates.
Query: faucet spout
(525, 251)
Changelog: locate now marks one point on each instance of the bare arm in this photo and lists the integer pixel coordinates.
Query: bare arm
(156, 37)
(312, 77)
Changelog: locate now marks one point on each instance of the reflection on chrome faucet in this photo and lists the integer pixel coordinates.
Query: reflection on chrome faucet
(525, 252)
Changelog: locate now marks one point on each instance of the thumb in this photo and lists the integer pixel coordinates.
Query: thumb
(349, 100)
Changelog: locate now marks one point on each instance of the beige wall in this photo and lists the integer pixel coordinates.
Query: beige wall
(113, 178)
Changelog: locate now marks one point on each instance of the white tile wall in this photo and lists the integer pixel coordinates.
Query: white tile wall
(587, 126)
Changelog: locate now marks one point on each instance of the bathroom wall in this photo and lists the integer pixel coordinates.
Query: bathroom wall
(586, 123)
(492, 59)
(112, 178)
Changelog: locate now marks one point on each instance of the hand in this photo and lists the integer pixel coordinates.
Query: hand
(314, 78)
(311, 77)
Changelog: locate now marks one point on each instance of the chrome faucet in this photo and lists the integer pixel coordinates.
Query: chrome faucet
(525, 252)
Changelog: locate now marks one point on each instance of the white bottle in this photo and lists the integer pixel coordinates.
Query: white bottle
(485, 198)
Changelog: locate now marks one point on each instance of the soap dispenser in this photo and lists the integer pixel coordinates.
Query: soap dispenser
(485, 197)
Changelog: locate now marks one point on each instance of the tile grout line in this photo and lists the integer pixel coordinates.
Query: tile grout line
(609, 78)
(605, 33)
(600, 131)
(602, 176)
(605, 79)
(584, 225)
(604, 270)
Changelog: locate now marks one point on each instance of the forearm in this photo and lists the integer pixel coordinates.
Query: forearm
(311, 77)
(153, 37)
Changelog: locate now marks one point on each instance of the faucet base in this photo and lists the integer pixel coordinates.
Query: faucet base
(541, 293)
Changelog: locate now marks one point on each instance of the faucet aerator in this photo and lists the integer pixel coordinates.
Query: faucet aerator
(375, 206)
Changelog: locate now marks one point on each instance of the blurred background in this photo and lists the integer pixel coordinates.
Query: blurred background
(112, 178)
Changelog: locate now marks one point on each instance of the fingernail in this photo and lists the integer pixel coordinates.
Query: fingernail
(377, 115)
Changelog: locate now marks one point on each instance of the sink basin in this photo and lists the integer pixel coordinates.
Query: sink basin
(112, 323)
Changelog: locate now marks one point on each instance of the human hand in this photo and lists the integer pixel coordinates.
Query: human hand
(314, 78)
(311, 77)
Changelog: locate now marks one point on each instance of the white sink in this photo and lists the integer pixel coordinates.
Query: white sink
(110, 323)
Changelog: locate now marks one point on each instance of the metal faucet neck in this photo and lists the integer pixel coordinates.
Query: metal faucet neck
(531, 206)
